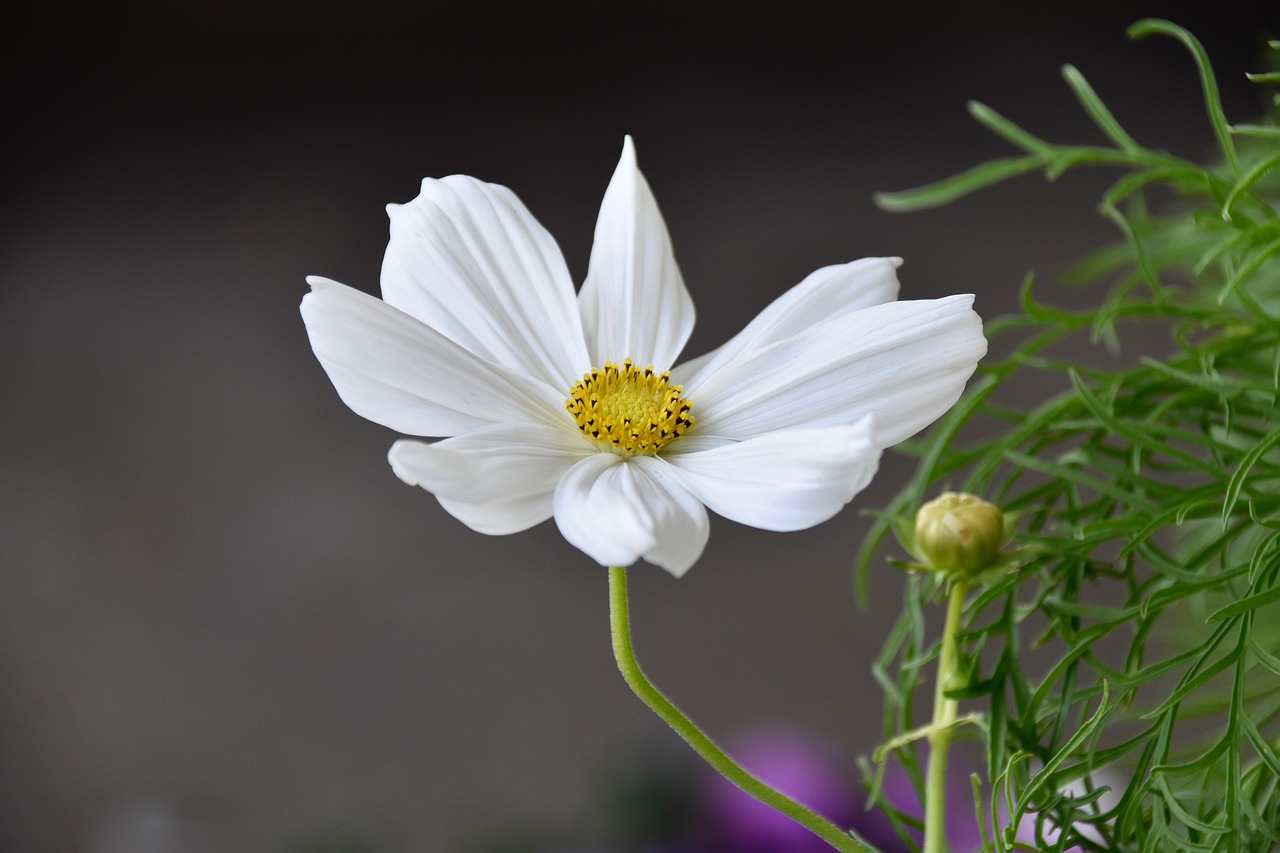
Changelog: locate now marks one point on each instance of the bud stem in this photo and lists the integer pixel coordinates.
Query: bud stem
(944, 719)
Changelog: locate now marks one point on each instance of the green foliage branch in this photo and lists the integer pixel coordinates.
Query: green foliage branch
(1125, 675)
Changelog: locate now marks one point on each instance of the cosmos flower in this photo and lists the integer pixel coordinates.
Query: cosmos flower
(572, 406)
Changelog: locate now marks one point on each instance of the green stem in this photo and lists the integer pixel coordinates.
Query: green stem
(620, 622)
(944, 719)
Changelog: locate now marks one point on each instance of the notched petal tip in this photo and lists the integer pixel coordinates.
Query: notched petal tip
(398, 467)
(322, 291)
(677, 570)
(958, 302)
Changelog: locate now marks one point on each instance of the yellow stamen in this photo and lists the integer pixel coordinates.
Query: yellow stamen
(629, 409)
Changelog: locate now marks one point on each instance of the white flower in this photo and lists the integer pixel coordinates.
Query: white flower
(550, 408)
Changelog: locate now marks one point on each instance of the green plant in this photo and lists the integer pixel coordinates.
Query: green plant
(1137, 645)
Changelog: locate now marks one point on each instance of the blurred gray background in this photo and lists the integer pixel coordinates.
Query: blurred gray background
(224, 624)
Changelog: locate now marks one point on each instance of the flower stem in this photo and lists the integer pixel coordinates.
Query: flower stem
(944, 719)
(620, 622)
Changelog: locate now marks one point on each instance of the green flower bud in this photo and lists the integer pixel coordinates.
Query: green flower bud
(959, 532)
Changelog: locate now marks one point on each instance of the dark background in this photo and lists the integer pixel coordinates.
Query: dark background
(224, 624)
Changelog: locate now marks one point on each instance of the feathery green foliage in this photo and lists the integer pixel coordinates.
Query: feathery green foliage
(1126, 677)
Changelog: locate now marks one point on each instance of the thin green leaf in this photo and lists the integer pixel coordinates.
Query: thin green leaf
(1097, 110)
(1245, 270)
(1248, 180)
(1005, 129)
(1213, 102)
(1236, 484)
(1263, 130)
(1250, 602)
(958, 186)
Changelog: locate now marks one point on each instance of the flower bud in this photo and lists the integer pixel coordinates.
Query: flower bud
(959, 532)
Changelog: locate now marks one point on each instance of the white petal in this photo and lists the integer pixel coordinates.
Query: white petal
(786, 480)
(468, 259)
(823, 295)
(496, 480)
(904, 362)
(634, 302)
(684, 526)
(619, 510)
(395, 371)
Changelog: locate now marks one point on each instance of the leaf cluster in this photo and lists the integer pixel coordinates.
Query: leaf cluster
(1125, 677)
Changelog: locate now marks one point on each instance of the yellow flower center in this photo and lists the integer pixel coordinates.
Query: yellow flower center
(629, 409)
